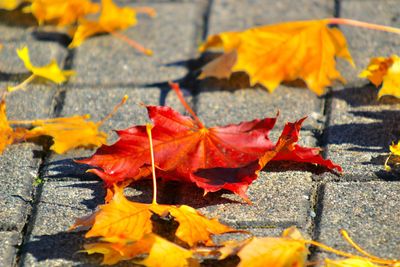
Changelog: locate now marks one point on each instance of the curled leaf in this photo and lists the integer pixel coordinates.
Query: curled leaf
(385, 71)
(11, 4)
(281, 52)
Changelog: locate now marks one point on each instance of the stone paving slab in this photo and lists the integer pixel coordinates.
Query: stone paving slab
(170, 39)
(18, 169)
(368, 211)
(280, 199)
(361, 128)
(8, 243)
(61, 202)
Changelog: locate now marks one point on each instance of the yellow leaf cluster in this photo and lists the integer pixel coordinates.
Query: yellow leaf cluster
(282, 52)
(126, 229)
(385, 71)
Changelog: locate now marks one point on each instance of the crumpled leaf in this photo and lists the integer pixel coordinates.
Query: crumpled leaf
(281, 52)
(123, 221)
(68, 133)
(385, 71)
(6, 132)
(350, 262)
(112, 18)
(51, 71)
(61, 13)
(11, 4)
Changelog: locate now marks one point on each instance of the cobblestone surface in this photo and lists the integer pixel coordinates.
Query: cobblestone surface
(42, 193)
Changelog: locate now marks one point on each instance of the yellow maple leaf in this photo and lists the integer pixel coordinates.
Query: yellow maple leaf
(61, 12)
(385, 71)
(161, 252)
(193, 226)
(6, 132)
(51, 71)
(11, 4)
(112, 18)
(123, 221)
(68, 133)
(286, 251)
(282, 52)
(350, 262)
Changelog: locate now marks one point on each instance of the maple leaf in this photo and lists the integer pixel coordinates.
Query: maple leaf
(281, 52)
(51, 71)
(112, 18)
(63, 12)
(68, 132)
(385, 71)
(227, 157)
(285, 251)
(6, 132)
(123, 221)
(161, 252)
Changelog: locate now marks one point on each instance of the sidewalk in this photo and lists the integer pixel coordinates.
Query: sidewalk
(354, 129)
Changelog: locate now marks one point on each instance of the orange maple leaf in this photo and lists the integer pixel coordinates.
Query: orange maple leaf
(281, 52)
(385, 71)
(112, 18)
(6, 132)
(287, 250)
(67, 133)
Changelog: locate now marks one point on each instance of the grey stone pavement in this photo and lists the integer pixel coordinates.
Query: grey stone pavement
(352, 127)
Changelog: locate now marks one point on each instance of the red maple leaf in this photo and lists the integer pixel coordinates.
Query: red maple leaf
(227, 157)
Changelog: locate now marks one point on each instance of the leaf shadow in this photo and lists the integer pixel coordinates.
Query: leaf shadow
(17, 18)
(62, 246)
(365, 95)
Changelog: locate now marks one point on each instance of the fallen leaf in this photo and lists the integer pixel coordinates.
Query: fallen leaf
(286, 251)
(395, 149)
(227, 157)
(68, 133)
(61, 13)
(6, 132)
(193, 226)
(350, 262)
(112, 18)
(51, 71)
(123, 221)
(281, 52)
(161, 252)
(385, 71)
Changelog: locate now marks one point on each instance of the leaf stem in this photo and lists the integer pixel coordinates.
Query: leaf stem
(348, 255)
(132, 43)
(346, 237)
(362, 24)
(123, 101)
(21, 85)
(175, 87)
(153, 169)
